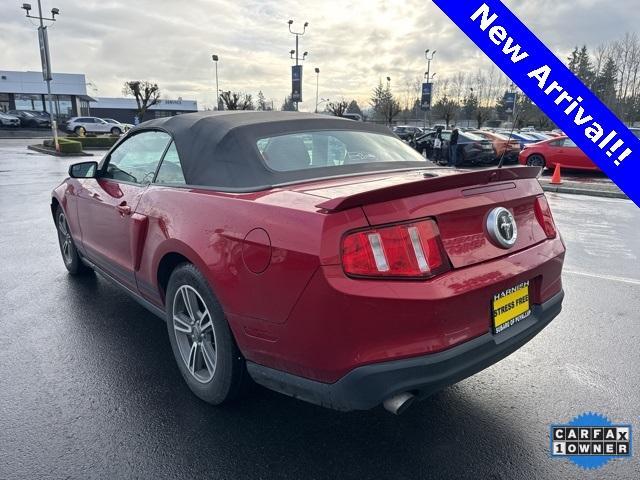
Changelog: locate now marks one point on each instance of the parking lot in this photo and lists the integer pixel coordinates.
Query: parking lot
(90, 388)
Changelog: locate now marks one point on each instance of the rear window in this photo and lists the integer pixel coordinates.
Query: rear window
(636, 132)
(321, 149)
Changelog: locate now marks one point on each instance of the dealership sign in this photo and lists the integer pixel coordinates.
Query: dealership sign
(509, 102)
(425, 102)
(552, 87)
(296, 83)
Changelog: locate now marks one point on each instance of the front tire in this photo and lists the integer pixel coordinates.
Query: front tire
(202, 343)
(70, 255)
(536, 160)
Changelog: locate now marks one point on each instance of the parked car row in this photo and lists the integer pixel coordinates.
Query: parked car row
(25, 118)
(489, 146)
(77, 125)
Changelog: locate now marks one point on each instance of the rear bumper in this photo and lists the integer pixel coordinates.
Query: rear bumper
(369, 385)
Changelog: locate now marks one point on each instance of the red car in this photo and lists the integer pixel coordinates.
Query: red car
(557, 151)
(320, 256)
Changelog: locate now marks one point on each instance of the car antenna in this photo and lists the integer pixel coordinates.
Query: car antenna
(513, 126)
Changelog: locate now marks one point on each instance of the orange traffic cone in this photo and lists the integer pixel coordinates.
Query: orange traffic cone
(555, 179)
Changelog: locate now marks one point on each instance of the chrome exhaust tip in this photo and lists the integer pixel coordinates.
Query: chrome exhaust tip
(399, 403)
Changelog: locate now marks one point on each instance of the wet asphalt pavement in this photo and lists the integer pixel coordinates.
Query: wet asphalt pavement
(89, 387)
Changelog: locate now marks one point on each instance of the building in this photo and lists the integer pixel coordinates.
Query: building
(124, 109)
(28, 91)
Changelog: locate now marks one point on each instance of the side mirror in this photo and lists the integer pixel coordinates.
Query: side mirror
(83, 170)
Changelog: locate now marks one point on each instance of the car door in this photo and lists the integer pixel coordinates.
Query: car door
(87, 124)
(107, 203)
(565, 153)
(576, 158)
(101, 126)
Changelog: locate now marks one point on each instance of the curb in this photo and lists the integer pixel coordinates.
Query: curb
(48, 151)
(583, 191)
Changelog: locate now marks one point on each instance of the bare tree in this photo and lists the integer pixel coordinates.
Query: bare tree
(337, 108)
(237, 101)
(146, 94)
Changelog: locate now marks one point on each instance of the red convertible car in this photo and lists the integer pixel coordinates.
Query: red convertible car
(318, 256)
(557, 151)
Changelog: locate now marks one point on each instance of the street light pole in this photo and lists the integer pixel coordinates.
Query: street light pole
(429, 78)
(317, 85)
(292, 52)
(215, 61)
(46, 61)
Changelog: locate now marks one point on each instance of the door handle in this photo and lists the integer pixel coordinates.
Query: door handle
(124, 209)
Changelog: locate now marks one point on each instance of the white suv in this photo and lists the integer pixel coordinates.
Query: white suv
(83, 125)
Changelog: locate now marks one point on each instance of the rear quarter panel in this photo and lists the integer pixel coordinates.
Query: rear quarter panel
(209, 229)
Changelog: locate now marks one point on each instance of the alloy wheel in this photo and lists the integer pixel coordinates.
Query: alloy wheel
(194, 333)
(535, 161)
(64, 238)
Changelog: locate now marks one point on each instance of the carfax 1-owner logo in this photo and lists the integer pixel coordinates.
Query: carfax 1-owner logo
(591, 440)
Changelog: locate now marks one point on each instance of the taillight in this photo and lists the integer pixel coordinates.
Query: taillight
(544, 217)
(408, 250)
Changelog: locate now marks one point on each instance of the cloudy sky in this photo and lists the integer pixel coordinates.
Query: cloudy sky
(355, 43)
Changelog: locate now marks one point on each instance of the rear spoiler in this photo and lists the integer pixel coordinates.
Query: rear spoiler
(435, 183)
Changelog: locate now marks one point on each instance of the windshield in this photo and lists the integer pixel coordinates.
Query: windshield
(318, 149)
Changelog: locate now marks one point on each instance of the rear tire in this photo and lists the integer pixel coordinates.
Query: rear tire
(79, 130)
(70, 255)
(115, 131)
(202, 343)
(536, 160)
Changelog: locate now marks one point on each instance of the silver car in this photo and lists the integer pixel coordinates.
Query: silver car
(9, 120)
(82, 125)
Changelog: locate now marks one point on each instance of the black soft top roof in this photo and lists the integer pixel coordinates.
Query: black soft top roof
(218, 149)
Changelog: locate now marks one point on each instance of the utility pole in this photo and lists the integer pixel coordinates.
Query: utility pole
(297, 81)
(317, 85)
(214, 57)
(46, 60)
(429, 78)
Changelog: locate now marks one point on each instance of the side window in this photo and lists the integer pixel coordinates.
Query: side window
(569, 143)
(88, 120)
(136, 159)
(170, 168)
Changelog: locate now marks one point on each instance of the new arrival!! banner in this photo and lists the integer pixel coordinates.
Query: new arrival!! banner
(552, 87)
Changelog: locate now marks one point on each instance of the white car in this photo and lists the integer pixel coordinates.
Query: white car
(9, 120)
(81, 125)
(125, 126)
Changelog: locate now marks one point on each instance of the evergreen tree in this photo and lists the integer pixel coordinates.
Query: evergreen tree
(288, 105)
(585, 68)
(384, 104)
(604, 86)
(446, 108)
(262, 102)
(470, 107)
(580, 64)
(354, 108)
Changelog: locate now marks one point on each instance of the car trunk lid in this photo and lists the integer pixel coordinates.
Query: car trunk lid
(459, 202)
